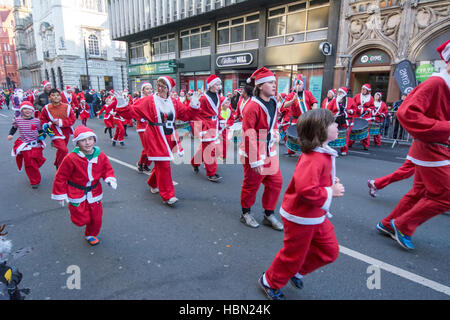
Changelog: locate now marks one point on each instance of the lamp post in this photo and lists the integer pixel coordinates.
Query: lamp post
(87, 66)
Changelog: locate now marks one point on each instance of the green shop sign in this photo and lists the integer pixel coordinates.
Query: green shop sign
(160, 67)
(424, 71)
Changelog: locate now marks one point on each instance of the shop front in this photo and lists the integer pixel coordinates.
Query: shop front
(149, 72)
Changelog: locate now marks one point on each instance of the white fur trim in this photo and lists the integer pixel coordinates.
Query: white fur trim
(213, 82)
(302, 220)
(264, 80)
(327, 203)
(446, 53)
(429, 164)
(59, 197)
(83, 136)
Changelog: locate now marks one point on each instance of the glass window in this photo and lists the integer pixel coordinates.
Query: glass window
(223, 24)
(276, 26)
(207, 28)
(184, 33)
(171, 44)
(296, 22)
(206, 39)
(276, 12)
(237, 34)
(318, 18)
(156, 48)
(164, 48)
(185, 43)
(195, 41)
(252, 18)
(237, 21)
(223, 36)
(251, 31)
(315, 3)
(297, 7)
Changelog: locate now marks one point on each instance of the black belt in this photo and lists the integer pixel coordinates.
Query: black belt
(160, 124)
(85, 189)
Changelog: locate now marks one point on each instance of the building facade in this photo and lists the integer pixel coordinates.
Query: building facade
(376, 35)
(9, 76)
(191, 39)
(74, 45)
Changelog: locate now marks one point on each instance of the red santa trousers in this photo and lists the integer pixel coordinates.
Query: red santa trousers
(89, 215)
(206, 153)
(33, 159)
(61, 150)
(161, 178)
(406, 171)
(429, 197)
(365, 142)
(252, 181)
(109, 123)
(377, 140)
(224, 144)
(119, 134)
(144, 158)
(305, 249)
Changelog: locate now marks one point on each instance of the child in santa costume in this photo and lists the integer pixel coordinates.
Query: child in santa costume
(84, 112)
(59, 118)
(141, 125)
(406, 171)
(69, 97)
(379, 113)
(119, 122)
(29, 146)
(226, 120)
(331, 95)
(77, 182)
(258, 151)
(298, 102)
(425, 114)
(365, 105)
(161, 141)
(309, 239)
(210, 103)
(108, 118)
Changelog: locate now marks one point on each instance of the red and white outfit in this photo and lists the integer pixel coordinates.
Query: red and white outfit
(309, 239)
(365, 107)
(27, 149)
(327, 101)
(141, 126)
(240, 108)
(108, 118)
(77, 181)
(161, 140)
(259, 149)
(84, 112)
(119, 121)
(379, 113)
(224, 124)
(65, 118)
(208, 115)
(70, 99)
(425, 114)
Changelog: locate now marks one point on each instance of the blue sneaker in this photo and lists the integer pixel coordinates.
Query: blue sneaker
(385, 231)
(403, 240)
(271, 294)
(296, 282)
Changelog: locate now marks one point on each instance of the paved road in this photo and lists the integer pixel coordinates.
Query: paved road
(200, 249)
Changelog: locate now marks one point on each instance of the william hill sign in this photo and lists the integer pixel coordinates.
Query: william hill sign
(234, 60)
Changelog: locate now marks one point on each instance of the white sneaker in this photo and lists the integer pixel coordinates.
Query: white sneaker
(372, 189)
(271, 221)
(171, 201)
(249, 220)
(154, 190)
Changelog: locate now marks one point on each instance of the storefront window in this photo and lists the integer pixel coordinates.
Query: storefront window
(238, 33)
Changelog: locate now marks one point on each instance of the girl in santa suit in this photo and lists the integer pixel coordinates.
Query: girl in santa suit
(331, 95)
(378, 115)
(141, 124)
(77, 182)
(259, 151)
(84, 112)
(246, 96)
(425, 115)
(161, 141)
(344, 110)
(309, 239)
(365, 105)
(29, 146)
(210, 103)
(108, 118)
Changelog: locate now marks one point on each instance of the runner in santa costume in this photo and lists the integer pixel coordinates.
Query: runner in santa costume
(141, 125)
(365, 106)
(161, 141)
(299, 101)
(119, 121)
(59, 117)
(309, 239)
(406, 171)
(259, 151)
(69, 97)
(77, 182)
(379, 113)
(210, 103)
(331, 95)
(29, 146)
(84, 112)
(246, 96)
(344, 109)
(108, 118)
(425, 114)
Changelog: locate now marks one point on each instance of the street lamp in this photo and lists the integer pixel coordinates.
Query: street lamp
(87, 67)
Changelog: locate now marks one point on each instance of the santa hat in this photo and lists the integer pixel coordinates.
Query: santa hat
(82, 132)
(344, 90)
(212, 80)
(367, 87)
(26, 105)
(46, 83)
(261, 76)
(444, 51)
(182, 91)
(191, 91)
(379, 93)
(299, 79)
(333, 91)
(68, 88)
(169, 82)
(283, 95)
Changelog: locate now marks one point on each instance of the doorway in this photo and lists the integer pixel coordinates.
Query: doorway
(379, 81)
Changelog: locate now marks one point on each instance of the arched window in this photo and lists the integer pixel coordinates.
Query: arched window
(93, 45)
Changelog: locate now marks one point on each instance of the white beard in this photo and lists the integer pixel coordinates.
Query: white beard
(340, 97)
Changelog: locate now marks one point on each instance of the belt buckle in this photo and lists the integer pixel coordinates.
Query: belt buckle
(214, 118)
(169, 124)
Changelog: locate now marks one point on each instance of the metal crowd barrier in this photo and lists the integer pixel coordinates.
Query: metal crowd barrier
(393, 132)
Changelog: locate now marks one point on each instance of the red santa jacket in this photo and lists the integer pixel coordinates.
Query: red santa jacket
(295, 109)
(84, 111)
(240, 108)
(425, 114)
(380, 111)
(77, 171)
(208, 115)
(255, 149)
(70, 99)
(325, 103)
(308, 197)
(107, 109)
(65, 117)
(141, 123)
(364, 105)
(159, 146)
(349, 111)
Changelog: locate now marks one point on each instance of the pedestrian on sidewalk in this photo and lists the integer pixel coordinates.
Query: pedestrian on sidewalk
(77, 182)
(309, 239)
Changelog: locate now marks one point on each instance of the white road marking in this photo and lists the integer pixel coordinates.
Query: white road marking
(3, 115)
(360, 152)
(397, 271)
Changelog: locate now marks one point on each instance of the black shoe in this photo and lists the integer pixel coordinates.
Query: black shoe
(214, 178)
(195, 169)
(140, 168)
(122, 144)
(146, 168)
(35, 186)
(106, 129)
(271, 294)
(113, 143)
(296, 282)
(366, 149)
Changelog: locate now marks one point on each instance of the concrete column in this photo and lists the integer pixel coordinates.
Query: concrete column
(213, 46)
(262, 36)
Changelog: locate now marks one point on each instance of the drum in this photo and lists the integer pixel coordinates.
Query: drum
(292, 139)
(341, 141)
(375, 128)
(360, 130)
(235, 132)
